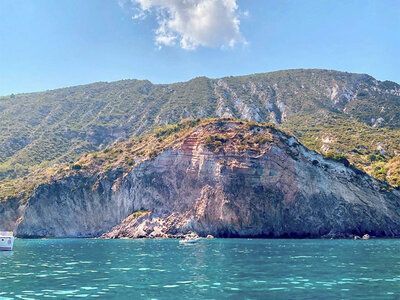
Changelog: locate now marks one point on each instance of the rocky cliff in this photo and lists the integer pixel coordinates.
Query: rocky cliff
(58, 126)
(224, 178)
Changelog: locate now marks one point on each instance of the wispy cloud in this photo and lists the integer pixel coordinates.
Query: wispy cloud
(193, 23)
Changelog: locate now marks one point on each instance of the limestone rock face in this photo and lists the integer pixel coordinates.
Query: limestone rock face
(287, 191)
(10, 214)
(277, 189)
(73, 207)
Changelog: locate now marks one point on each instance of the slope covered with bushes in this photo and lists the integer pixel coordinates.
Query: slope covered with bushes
(350, 114)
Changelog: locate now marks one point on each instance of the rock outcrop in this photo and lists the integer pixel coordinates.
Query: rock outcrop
(58, 126)
(225, 179)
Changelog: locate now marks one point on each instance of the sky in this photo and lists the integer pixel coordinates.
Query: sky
(47, 44)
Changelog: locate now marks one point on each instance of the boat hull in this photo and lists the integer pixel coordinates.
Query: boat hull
(6, 243)
(191, 241)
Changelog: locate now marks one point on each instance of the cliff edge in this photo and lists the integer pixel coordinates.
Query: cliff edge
(225, 178)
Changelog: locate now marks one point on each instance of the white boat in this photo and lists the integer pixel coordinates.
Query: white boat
(6, 240)
(189, 240)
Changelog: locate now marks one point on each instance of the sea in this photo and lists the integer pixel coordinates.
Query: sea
(209, 269)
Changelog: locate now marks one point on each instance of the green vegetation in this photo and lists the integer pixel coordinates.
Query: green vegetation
(137, 214)
(215, 142)
(122, 157)
(374, 150)
(167, 130)
(393, 171)
(40, 130)
(338, 157)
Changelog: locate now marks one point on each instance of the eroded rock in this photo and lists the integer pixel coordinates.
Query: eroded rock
(274, 187)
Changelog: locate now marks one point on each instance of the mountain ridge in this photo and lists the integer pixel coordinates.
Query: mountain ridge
(57, 126)
(197, 77)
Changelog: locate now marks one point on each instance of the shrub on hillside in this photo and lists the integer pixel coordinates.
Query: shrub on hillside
(338, 157)
(215, 142)
(167, 130)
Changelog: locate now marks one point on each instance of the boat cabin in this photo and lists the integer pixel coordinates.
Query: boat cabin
(6, 240)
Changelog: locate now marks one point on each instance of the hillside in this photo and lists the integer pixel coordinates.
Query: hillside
(227, 178)
(331, 112)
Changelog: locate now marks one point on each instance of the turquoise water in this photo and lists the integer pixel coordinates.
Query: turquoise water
(210, 269)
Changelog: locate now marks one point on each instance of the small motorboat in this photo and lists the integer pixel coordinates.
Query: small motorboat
(189, 240)
(6, 240)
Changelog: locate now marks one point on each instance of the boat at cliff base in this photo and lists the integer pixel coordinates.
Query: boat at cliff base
(6, 241)
(191, 238)
(189, 241)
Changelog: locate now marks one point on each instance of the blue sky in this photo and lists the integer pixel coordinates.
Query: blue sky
(46, 44)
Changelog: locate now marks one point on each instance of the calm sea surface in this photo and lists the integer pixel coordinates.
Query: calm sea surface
(210, 269)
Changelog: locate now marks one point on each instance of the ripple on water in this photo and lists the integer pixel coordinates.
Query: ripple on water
(89, 288)
(65, 292)
(215, 269)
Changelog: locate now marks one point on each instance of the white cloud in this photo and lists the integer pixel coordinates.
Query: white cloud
(193, 23)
